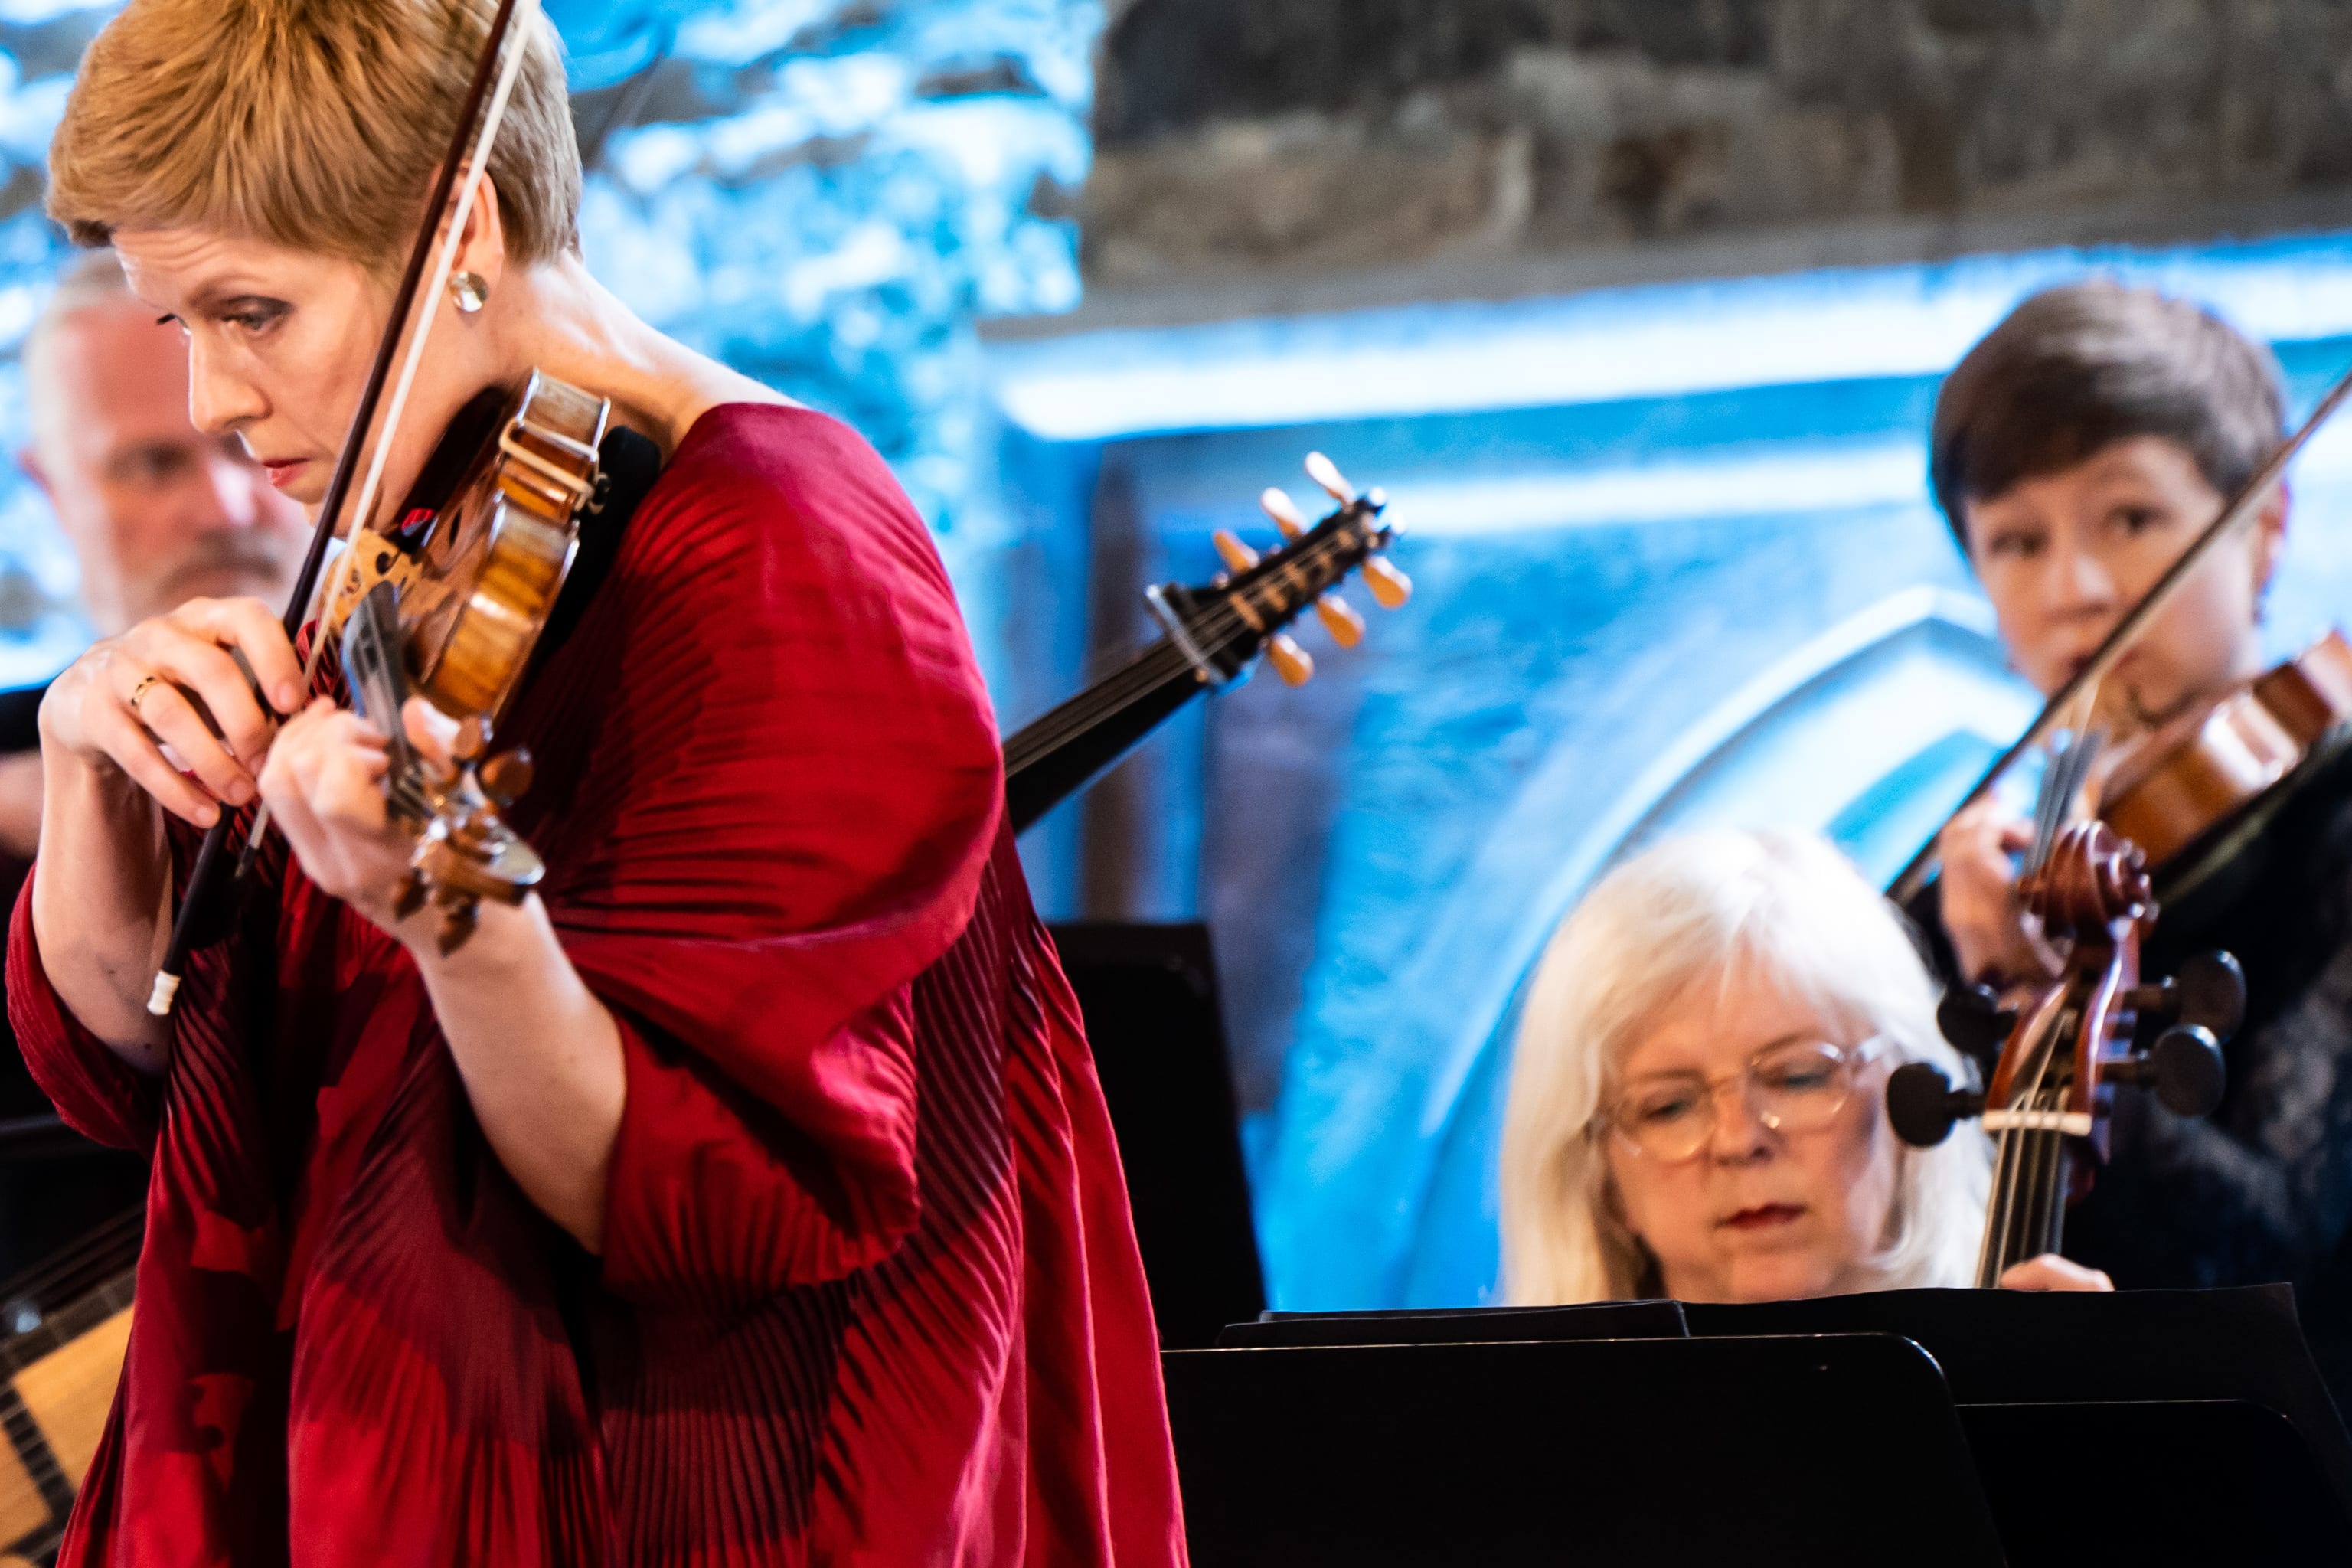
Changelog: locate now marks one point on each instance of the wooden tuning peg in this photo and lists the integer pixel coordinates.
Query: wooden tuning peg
(458, 922)
(1277, 505)
(1238, 556)
(1289, 660)
(1325, 472)
(473, 739)
(506, 778)
(1390, 587)
(410, 896)
(1340, 619)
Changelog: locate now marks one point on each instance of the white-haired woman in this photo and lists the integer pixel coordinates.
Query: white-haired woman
(1698, 1103)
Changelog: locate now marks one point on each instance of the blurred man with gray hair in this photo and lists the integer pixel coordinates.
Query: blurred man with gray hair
(156, 513)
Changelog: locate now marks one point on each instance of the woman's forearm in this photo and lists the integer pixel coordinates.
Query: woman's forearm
(540, 1056)
(101, 903)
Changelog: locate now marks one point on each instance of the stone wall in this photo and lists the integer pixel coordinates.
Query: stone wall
(1263, 138)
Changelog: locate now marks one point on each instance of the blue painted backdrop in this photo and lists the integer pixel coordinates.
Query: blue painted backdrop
(1675, 555)
(1677, 566)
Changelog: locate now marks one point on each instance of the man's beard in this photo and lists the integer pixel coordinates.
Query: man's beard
(255, 567)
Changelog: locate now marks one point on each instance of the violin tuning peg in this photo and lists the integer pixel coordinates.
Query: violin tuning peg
(1277, 505)
(2185, 1067)
(410, 898)
(1971, 1018)
(2188, 1070)
(506, 778)
(473, 739)
(1237, 556)
(2211, 991)
(1326, 473)
(1922, 1104)
(457, 923)
(1390, 588)
(1289, 660)
(1340, 619)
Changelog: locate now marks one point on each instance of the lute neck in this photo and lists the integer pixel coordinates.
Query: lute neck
(1053, 757)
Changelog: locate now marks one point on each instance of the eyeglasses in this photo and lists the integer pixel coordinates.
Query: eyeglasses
(1793, 1087)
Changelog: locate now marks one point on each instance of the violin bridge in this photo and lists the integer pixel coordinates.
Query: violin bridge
(368, 560)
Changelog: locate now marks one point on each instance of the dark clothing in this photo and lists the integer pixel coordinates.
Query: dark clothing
(46, 1203)
(2261, 1190)
(20, 717)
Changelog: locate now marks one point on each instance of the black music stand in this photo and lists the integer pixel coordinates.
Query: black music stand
(1825, 1449)
(1150, 996)
(1455, 1326)
(2152, 1426)
(2200, 1414)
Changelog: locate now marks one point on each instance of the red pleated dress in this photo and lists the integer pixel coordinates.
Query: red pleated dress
(869, 1290)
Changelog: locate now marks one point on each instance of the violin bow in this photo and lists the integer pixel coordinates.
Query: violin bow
(478, 119)
(2240, 509)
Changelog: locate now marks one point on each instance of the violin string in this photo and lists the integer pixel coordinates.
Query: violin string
(2005, 1180)
(1993, 1212)
(2012, 1147)
(2045, 802)
(2044, 1097)
(2241, 507)
(517, 49)
(2000, 1238)
(2044, 1144)
(428, 299)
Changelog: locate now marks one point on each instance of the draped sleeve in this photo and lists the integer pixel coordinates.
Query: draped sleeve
(98, 1093)
(787, 791)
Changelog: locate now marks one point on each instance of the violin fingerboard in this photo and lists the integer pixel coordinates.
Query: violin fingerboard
(373, 667)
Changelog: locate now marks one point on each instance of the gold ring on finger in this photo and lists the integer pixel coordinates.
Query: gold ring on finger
(140, 690)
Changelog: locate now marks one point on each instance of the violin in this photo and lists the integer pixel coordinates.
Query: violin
(2195, 780)
(455, 589)
(2066, 1049)
(2181, 786)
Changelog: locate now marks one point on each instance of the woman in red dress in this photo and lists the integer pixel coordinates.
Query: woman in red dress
(744, 1197)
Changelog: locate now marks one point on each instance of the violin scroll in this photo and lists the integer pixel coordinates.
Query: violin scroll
(2092, 880)
(467, 852)
(2059, 1055)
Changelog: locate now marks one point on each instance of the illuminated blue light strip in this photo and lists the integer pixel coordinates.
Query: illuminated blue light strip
(1781, 480)
(1651, 341)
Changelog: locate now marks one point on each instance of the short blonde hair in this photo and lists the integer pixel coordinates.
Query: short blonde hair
(1784, 908)
(315, 124)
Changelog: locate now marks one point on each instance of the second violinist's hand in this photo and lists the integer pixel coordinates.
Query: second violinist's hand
(2051, 1272)
(324, 786)
(1979, 898)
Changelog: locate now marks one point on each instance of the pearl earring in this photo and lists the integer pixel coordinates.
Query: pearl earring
(468, 291)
